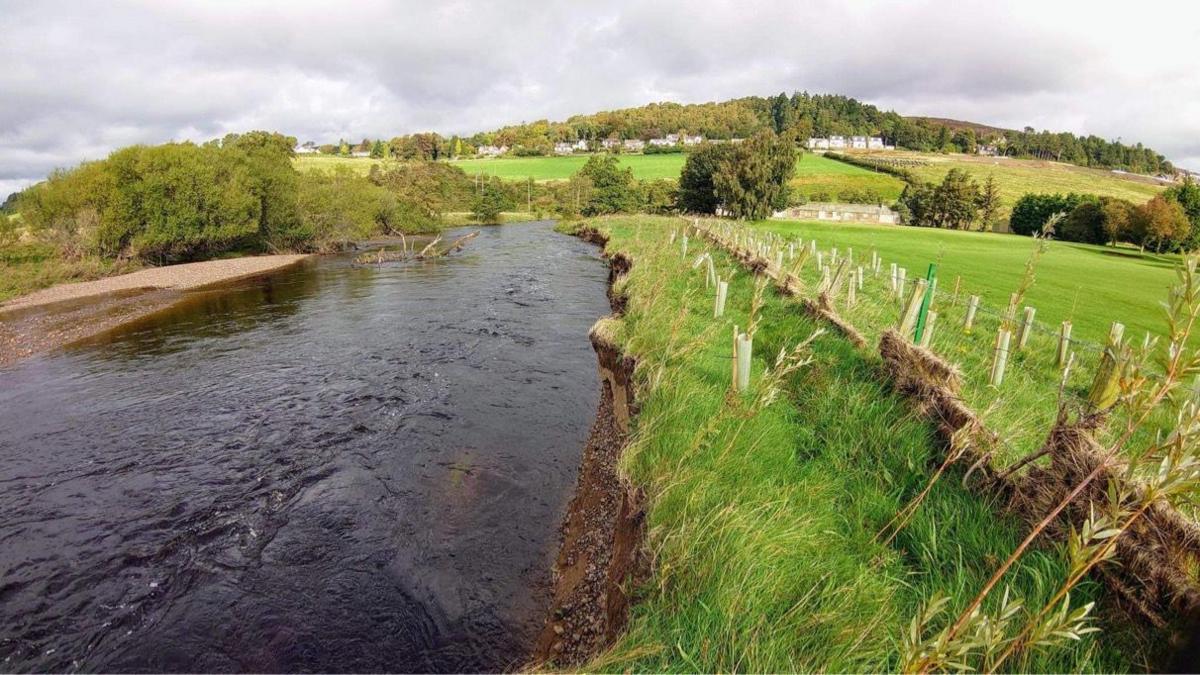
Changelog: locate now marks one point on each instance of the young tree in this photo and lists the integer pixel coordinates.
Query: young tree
(989, 203)
(1187, 195)
(1118, 219)
(752, 182)
(1161, 224)
(697, 192)
(490, 202)
(612, 188)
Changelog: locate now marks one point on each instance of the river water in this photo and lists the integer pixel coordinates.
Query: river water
(337, 468)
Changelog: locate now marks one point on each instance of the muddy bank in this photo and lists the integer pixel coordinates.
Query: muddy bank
(66, 313)
(601, 555)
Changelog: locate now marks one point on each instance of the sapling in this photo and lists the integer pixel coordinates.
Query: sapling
(1142, 395)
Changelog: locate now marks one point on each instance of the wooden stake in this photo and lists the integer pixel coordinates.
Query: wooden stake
(927, 332)
(1064, 344)
(1026, 328)
(1000, 358)
(734, 358)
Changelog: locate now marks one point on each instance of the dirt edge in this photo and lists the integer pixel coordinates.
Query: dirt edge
(602, 551)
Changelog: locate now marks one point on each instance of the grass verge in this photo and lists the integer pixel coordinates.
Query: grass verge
(762, 521)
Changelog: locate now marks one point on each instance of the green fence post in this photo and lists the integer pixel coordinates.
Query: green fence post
(931, 277)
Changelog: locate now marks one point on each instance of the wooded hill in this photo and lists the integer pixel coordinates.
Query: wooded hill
(804, 114)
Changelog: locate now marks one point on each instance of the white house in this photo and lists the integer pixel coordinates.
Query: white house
(564, 148)
(851, 213)
(361, 153)
(858, 142)
(673, 138)
(818, 144)
(875, 143)
(610, 143)
(580, 145)
(306, 149)
(662, 142)
(693, 140)
(837, 142)
(634, 145)
(491, 150)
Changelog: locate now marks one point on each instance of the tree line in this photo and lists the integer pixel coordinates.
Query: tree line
(799, 115)
(1168, 222)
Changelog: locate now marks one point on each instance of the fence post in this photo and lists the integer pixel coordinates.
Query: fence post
(851, 296)
(972, 305)
(858, 278)
(734, 359)
(1064, 344)
(901, 279)
(927, 332)
(895, 276)
(1026, 328)
(1000, 358)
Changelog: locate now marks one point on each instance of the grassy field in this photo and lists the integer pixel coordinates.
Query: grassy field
(762, 517)
(1091, 286)
(814, 173)
(1016, 177)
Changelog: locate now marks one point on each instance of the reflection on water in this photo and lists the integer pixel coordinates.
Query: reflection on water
(338, 468)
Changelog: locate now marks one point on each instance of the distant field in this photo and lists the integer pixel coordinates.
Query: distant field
(1089, 285)
(814, 173)
(1016, 177)
(561, 168)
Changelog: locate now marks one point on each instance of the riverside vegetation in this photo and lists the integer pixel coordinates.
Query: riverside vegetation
(765, 510)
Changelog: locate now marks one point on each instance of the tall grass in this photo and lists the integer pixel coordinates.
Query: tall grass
(763, 518)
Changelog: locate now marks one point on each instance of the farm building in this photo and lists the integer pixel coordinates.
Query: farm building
(491, 150)
(306, 149)
(634, 145)
(847, 213)
(361, 153)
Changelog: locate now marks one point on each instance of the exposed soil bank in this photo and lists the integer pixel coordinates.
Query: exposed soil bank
(601, 554)
(66, 313)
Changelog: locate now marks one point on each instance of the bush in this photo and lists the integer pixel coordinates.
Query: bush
(1161, 224)
(697, 194)
(862, 196)
(1031, 211)
(612, 188)
(490, 202)
(662, 149)
(340, 206)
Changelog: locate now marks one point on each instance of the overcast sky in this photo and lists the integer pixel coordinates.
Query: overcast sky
(78, 79)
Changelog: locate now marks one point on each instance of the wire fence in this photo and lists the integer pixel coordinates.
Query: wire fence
(1042, 369)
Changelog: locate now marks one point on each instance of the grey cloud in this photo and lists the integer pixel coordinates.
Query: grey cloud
(82, 78)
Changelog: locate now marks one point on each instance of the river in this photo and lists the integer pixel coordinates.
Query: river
(336, 468)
